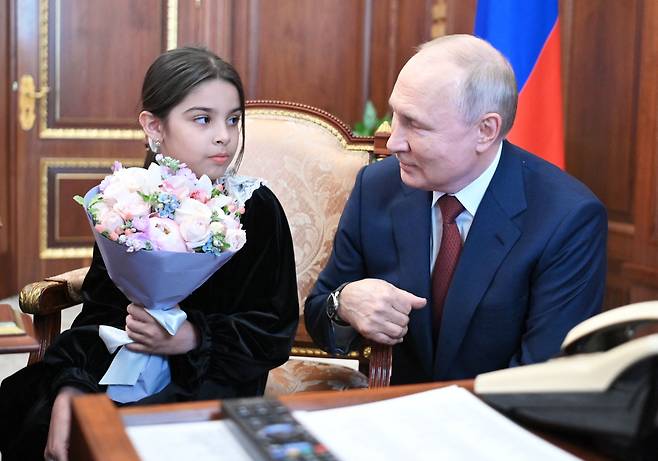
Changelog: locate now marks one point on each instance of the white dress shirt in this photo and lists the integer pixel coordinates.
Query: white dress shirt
(470, 197)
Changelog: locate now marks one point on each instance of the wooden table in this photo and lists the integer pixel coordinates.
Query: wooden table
(98, 431)
(17, 343)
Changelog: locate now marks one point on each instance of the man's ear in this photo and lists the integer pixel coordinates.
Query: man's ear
(488, 131)
(151, 125)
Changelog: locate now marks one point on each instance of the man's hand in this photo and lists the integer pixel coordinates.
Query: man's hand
(57, 446)
(378, 310)
(151, 338)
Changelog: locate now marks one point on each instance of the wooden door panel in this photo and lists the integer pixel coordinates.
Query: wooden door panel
(611, 50)
(305, 53)
(96, 48)
(601, 101)
(325, 48)
(645, 254)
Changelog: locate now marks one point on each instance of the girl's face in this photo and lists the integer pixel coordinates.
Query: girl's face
(203, 129)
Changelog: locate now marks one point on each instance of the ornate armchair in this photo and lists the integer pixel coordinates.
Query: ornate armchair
(310, 160)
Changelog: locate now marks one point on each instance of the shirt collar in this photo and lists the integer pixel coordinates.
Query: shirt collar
(471, 195)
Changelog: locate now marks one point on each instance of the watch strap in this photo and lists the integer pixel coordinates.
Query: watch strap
(332, 306)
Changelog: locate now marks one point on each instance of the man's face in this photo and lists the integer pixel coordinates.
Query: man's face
(435, 147)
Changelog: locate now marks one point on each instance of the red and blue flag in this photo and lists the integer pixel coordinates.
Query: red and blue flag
(527, 32)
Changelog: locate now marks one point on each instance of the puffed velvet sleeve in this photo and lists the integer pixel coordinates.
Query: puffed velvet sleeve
(78, 357)
(247, 312)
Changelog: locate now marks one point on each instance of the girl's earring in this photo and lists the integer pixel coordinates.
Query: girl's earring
(154, 145)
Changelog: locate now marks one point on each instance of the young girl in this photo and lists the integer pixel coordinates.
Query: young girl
(240, 323)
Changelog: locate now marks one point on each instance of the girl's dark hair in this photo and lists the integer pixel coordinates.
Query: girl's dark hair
(174, 74)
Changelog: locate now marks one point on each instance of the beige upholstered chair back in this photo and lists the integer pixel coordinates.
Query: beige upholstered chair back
(310, 160)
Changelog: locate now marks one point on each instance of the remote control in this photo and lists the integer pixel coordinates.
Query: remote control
(270, 426)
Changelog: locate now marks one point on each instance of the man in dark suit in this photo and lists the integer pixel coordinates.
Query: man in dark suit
(463, 251)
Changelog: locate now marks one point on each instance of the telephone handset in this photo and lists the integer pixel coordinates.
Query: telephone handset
(604, 383)
(612, 328)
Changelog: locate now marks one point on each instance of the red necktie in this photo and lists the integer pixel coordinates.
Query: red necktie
(446, 260)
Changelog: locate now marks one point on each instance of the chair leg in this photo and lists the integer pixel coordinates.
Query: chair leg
(46, 327)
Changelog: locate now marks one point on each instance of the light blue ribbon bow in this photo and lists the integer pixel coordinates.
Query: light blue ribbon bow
(135, 375)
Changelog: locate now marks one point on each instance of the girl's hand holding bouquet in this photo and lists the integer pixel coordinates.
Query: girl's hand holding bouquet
(151, 338)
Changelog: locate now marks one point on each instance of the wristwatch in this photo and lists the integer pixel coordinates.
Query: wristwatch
(333, 301)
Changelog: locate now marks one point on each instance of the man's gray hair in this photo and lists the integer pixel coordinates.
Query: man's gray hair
(488, 85)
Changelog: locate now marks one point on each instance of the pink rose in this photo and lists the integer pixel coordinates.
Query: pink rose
(200, 196)
(141, 223)
(180, 186)
(164, 234)
(107, 219)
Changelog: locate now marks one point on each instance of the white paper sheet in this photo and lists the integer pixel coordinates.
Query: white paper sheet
(198, 441)
(448, 423)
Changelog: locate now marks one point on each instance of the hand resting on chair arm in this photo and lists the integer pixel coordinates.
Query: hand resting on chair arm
(378, 310)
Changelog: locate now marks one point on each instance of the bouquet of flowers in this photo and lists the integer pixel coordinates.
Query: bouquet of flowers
(162, 232)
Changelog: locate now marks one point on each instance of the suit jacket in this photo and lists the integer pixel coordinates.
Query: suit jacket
(532, 267)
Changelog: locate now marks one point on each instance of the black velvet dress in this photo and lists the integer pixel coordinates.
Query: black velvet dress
(246, 314)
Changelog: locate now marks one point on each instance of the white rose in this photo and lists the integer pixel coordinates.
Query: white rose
(193, 219)
(229, 221)
(101, 207)
(130, 205)
(105, 217)
(236, 238)
(219, 202)
(110, 221)
(132, 180)
(152, 179)
(204, 184)
(217, 227)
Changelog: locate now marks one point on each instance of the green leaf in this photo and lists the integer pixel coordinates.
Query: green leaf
(360, 129)
(370, 122)
(370, 116)
(80, 200)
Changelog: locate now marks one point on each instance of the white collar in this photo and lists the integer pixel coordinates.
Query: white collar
(471, 195)
(241, 187)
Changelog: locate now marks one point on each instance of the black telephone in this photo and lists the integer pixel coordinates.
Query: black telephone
(603, 385)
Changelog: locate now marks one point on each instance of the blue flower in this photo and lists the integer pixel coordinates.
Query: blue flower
(208, 247)
(167, 205)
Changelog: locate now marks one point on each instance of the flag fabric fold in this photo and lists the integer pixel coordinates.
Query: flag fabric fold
(527, 33)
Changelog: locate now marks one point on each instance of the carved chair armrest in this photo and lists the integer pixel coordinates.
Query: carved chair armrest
(375, 360)
(46, 299)
(53, 294)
